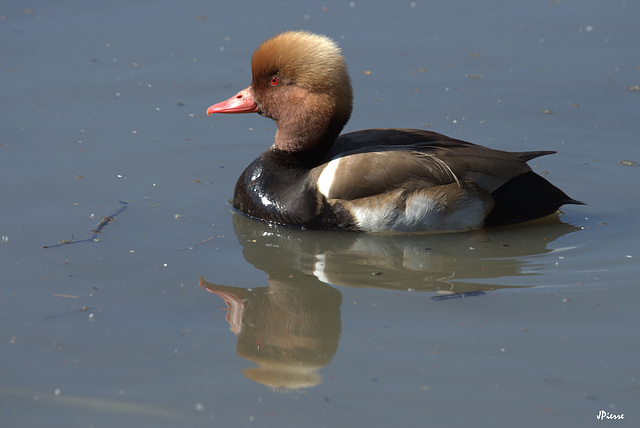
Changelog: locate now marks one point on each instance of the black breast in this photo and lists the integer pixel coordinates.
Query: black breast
(276, 188)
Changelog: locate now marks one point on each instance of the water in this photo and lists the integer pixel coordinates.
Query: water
(103, 113)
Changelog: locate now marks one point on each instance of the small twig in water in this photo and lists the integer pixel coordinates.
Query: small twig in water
(83, 309)
(199, 243)
(95, 232)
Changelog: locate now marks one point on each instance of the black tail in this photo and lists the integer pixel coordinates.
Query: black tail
(527, 156)
(526, 197)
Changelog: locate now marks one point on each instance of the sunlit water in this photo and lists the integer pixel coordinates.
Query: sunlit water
(182, 313)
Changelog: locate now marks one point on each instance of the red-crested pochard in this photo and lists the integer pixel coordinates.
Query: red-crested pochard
(370, 180)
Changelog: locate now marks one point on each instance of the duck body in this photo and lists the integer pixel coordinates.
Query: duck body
(371, 180)
(407, 180)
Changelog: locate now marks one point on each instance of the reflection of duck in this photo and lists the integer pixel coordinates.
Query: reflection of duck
(456, 262)
(371, 180)
(290, 329)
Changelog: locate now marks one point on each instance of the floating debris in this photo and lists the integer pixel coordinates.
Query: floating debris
(633, 88)
(83, 309)
(190, 247)
(95, 232)
(458, 295)
(66, 296)
(546, 111)
(628, 163)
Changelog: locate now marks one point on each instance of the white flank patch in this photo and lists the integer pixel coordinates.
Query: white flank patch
(469, 216)
(421, 213)
(327, 176)
(375, 220)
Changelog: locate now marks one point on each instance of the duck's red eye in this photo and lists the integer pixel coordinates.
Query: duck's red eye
(274, 81)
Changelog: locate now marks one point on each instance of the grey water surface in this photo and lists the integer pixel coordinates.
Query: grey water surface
(180, 312)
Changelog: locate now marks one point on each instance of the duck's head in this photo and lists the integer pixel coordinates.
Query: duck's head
(300, 80)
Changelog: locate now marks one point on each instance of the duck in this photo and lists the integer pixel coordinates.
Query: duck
(372, 180)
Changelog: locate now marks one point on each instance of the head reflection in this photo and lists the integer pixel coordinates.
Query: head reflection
(290, 329)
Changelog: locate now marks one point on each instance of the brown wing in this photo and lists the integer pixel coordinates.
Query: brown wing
(366, 174)
(376, 161)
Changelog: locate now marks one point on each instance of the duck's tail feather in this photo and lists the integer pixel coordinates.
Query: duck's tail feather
(526, 197)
